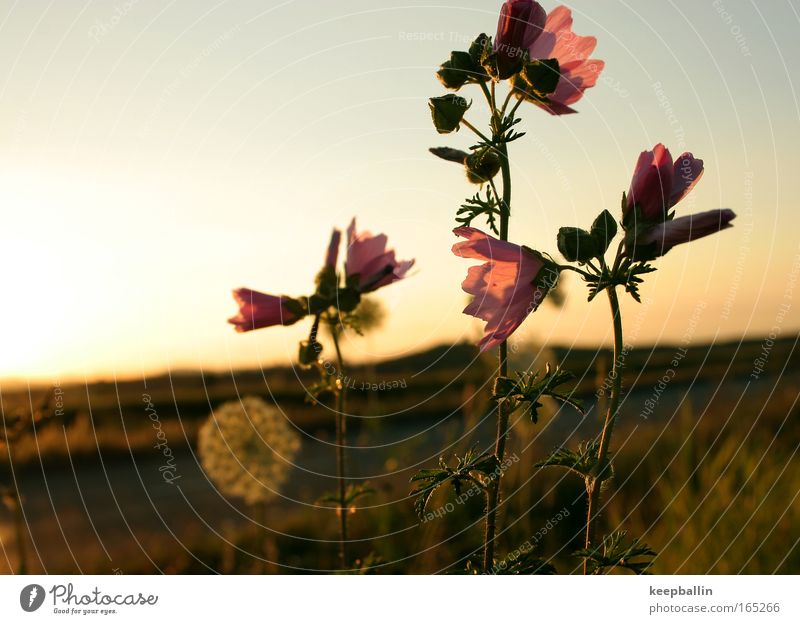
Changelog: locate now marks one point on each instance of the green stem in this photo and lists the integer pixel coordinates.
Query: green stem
(486, 94)
(594, 483)
(493, 491)
(568, 267)
(505, 103)
(516, 106)
(341, 431)
(483, 137)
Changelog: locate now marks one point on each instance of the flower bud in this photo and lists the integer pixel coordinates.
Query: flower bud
(482, 166)
(576, 245)
(520, 24)
(447, 112)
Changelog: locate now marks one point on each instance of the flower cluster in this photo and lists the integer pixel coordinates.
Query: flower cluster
(369, 266)
(246, 447)
(514, 279)
(537, 58)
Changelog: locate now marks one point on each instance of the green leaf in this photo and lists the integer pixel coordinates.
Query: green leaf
(476, 206)
(632, 279)
(577, 245)
(522, 563)
(604, 229)
(528, 388)
(356, 491)
(614, 553)
(447, 112)
(582, 462)
(351, 495)
(476, 469)
(627, 276)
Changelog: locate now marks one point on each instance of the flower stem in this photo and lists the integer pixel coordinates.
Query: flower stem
(341, 431)
(480, 134)
(594, 483)
(493, 491)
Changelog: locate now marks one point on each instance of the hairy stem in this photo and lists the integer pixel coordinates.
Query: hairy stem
(341, 431)
(493, 491)
(593, 485)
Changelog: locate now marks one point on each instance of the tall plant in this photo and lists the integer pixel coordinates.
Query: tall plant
(542, 62)
(336, 304)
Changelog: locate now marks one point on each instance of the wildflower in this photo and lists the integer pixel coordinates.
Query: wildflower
(577, 71)
(510, 284)
(257, 310)
(664, 236)
(369, 264)
(658, 183)
(519, 26)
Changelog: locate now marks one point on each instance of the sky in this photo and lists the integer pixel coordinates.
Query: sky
(154, 155)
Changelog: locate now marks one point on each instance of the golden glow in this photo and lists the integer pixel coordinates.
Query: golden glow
(139, 187)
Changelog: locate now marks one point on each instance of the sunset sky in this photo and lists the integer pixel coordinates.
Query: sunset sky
(154, 155)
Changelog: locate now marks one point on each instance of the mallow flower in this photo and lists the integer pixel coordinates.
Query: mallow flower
(658, 183)
(577, 71)
(369, 264)
(660, 238)
(520, 24)
(509, 285)
(257, 310)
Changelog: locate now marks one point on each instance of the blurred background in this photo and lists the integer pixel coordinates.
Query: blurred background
(153, 156)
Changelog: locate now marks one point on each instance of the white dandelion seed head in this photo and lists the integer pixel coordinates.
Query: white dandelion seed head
(246, 447)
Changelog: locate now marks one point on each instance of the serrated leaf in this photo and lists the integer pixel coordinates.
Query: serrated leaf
(612, 552)
(476, 206)
(582, 462)
(523, 563)
(528, 388)
(472, 467)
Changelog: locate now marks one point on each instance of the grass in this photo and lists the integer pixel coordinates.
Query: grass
(710, 482)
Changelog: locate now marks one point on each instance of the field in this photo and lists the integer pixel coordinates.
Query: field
(709, 458)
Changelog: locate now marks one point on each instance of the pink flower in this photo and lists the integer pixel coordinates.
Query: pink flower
(658, 183)
(369, 263)
(684, 229)
(578, 71)
(520, 24)
(257, 310)
(510, 284)
(333, 249)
